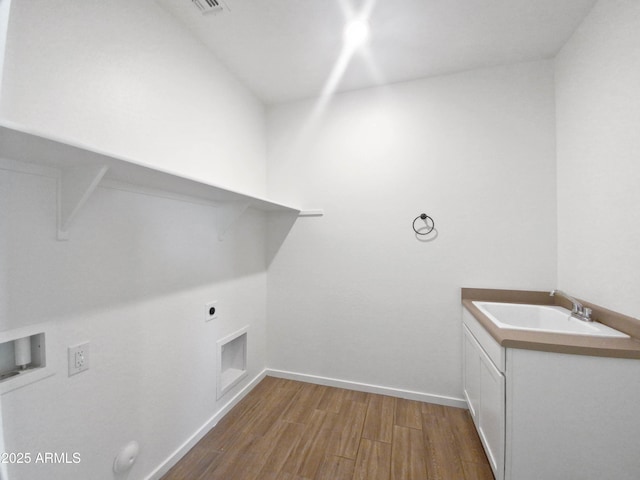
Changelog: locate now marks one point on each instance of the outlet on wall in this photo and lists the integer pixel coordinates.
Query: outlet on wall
(78, 358)
(211, 311)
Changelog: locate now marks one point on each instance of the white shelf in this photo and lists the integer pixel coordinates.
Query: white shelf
(83, 168)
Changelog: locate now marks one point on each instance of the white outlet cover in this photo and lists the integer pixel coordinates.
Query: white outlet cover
(78, 358)
(208, 307)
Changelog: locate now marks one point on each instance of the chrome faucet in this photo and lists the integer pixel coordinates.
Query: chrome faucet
(578, 311)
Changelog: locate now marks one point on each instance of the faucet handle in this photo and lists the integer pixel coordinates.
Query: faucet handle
(586, 311)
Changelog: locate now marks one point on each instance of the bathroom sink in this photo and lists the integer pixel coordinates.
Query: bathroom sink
(543, 318)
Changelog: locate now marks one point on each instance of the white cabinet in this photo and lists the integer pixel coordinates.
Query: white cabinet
(471, 351)
(552, 416)
(484, 390)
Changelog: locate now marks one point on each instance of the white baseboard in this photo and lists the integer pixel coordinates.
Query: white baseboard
(202, 431)
(364, 387)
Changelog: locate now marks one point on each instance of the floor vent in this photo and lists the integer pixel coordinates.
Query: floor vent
(209, 6)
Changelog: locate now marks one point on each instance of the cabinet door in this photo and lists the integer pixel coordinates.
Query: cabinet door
(484, 390)
(491, 417)
(471, 374)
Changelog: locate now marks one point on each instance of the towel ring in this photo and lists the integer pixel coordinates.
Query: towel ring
(427, 219)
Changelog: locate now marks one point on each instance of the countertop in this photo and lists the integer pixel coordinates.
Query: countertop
(556, 342)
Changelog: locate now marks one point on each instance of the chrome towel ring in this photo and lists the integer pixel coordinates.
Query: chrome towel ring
(430, 224)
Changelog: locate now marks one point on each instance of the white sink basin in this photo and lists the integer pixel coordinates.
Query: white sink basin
(543, 318)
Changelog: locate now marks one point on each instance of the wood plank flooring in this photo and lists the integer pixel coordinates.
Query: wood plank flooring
(287, 430)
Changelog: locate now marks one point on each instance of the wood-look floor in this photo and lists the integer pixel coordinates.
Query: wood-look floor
(287, 430)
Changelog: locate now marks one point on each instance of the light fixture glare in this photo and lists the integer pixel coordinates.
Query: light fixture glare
(356, 33)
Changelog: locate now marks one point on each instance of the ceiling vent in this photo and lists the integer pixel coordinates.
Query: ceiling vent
(210, 6)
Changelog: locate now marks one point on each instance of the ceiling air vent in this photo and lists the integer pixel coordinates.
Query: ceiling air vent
(209, 6)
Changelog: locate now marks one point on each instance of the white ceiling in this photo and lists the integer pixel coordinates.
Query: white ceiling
(286, 49)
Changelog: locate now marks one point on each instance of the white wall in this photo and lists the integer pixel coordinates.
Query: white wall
(125, 77)
(133, 281)
(354, 295)
(598, 120)
(137, 271)
(5, 6)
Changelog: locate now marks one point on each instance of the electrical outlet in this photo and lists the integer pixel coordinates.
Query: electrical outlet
(211, 312)
(78, 358)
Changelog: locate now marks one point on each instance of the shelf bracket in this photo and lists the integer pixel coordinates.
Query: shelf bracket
(229, 215)
(75, 186)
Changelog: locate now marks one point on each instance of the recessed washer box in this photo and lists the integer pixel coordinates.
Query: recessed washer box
(232, 360)
(23, 356)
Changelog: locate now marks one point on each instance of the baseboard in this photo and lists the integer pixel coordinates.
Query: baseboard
(202, 431)
(364, 387)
